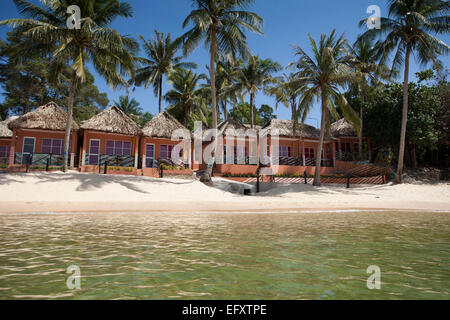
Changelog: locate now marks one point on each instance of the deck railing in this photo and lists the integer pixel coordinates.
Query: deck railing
(41, 159)
(113, 160)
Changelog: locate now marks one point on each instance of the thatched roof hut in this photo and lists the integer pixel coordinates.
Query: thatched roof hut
(343, 128)
(5, 132)
(231, 127)
(285, 129)
(112, 120)
(162, 126)
(46, 117)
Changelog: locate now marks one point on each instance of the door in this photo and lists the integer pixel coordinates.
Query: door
(149, 155)
(94, 151)
(27, 149)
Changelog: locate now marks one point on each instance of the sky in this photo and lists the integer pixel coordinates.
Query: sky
(286, 23)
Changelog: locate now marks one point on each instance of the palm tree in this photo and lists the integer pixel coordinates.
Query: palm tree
(365, 55)
(129, 106)
(287, 90)
(226, 76)
(220, 24)
(409, 28)
(111, 54)
(323, 73)
(162, 60)
(253, 76)
(185, 97)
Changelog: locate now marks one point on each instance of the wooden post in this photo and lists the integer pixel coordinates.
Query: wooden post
(303, 154)
(12, 149)
(258, 171)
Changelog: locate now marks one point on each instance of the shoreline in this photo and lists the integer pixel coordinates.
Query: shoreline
(90, 193)
(200, 208)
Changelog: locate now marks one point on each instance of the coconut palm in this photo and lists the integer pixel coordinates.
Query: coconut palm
(220, 24)
(185, 96)
(364, 61)
(225, 78)
(287, 91)
(129, 106)
(111, 54)
(161, 60)
(411, 27)
(254, 76)
(323, 73)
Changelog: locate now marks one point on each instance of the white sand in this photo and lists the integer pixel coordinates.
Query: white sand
(77, 192)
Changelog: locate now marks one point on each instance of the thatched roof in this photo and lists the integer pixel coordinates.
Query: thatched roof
(285, 129)
(231, 127)
(112, 120)
(162, 126)
(5, 132)
(343, 128)
(46, 117)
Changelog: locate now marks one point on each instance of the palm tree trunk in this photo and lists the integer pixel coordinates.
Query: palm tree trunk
(401, 152)
(160, 92)
(360, 144)
(319, 149)
(212, 76)
(252, 112)
(225, 110)
(69, 120)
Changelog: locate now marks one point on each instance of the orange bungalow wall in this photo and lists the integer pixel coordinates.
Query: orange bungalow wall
(39, 135)
(298, 151)
(89, 135)
(157, 143)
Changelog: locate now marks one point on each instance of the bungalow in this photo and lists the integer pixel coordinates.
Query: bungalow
(5, 141)
(39, 134)
(298, 151)
(346, 140)
(110, 136)
(237, 148)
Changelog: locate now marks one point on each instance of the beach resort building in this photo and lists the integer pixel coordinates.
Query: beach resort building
(5, 141)
(347, 141)
(157, 143)
(237, 148)
(39, 135)
(110, 136)
(298, 148)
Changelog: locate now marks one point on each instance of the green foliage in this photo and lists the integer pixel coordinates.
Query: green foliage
(161, 60)
(242, 112)
(185, 98)
(30, 81)
(383, 116)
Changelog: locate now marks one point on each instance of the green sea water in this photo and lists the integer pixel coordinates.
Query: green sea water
(225, 256)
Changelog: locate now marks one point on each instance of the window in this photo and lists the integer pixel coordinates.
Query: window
(94, 151)
(285, 151)
(149, 155)
(4, 151)
(309, 153)
(52, 146)
(118, 148)
(165, 151)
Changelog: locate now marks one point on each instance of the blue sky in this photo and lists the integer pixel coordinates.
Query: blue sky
(286, 22)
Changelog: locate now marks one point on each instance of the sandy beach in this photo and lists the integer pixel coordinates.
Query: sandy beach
(78, 192)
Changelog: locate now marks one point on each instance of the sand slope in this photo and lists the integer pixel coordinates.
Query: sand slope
(58, 192)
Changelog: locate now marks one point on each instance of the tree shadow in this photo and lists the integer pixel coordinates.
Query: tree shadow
(90, 181)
